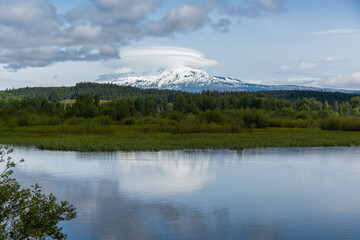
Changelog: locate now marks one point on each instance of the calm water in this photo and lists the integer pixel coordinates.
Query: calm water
(311, 193)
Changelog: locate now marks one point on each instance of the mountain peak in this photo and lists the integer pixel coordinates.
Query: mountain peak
(184, 78)
(193, 80)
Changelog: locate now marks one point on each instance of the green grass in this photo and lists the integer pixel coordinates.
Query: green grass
(131, 138)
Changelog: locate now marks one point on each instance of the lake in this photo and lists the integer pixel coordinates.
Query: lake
(285, 193)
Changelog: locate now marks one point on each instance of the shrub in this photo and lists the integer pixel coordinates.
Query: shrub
(175, 115)
(31, 119)
(54, 121)
(274, 122)
(350, 124)
(129, 121)
(101, 120)
(302, 115)
(287, 112)
(303, 123)
(330, 123)
(258, 117)
(289, 123)
(11, 124)
(340, 123)
(212, 117)
(320, 114)
(74, 120)
(148, 121)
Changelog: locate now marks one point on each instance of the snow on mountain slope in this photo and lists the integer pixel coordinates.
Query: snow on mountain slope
(191, 80)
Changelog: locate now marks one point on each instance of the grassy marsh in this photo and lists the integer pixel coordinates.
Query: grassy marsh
(132, 138)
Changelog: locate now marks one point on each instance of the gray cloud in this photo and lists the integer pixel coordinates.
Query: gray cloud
(222, 26)
(182, 19)
(43, 56)
(251, 8)
(33, 34)
(125, 9)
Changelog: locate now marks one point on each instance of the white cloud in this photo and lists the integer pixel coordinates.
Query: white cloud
(347, 81)
(304, 80)
(350, 81)
(308, 73)
(154, 57)
(308, 65)
(329, 59)
(338, 31)
(300, 66)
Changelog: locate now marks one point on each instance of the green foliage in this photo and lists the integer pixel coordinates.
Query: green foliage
(83, 107)
(175, 115)
(28, 213)
(302, 115)
(256, 118)
(212, 117)
(100, 106)
(331, 123)
(133, 138)
(343, 123)
(85, 127)
(129, 121)
(355, 102)
(330, 97)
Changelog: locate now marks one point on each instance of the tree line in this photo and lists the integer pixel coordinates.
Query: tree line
(184, 112)
(112, 92)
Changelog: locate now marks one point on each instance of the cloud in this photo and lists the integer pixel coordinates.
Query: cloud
(269, 5)
(125, 9)
(181, 19)
(222, 26)
(338, 31)
(329, 59)
(300, 66)
(33, 34)
(155, 57)
(307, 65)
(251, 8)
(349, 81)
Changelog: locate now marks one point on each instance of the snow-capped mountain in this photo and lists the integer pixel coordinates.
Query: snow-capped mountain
(192, 80)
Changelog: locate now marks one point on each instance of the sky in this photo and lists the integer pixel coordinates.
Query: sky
(60, 43)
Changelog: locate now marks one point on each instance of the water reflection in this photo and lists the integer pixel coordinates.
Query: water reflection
(254, 194)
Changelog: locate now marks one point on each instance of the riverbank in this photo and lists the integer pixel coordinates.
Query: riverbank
(132, 138)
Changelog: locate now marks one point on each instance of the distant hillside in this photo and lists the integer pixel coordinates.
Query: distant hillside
(113, 91)
(320, 96)
(105, 91)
